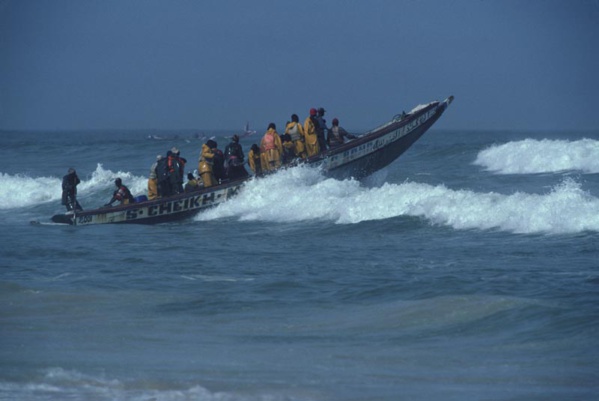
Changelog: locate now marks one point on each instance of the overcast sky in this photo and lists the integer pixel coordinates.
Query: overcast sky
(170, 64)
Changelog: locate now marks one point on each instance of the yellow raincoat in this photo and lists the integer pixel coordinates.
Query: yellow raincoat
(271, 149)
(297, 138)
(311, 138)
(205, 166)
(255, 162)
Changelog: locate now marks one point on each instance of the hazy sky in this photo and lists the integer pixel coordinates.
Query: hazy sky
(170, 64)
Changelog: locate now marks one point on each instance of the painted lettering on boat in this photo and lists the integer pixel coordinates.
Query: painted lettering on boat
(84, 219)
(181, 205)
(381, 142)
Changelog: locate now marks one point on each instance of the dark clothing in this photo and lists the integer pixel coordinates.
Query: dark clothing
(218, 166)
(321, 130)
(164, 186)
(234, 159)
(69, 192)
(175, 173)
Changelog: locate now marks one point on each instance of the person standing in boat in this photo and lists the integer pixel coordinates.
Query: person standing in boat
(271, 148)
(153, 180)
(164, 185)
(255, 160)
(310, 134)
(337, 134)
(218, 166)
(69, 190)
(234, 159)
(206, 162)
(321, 129)
(176, 166)
(296, 131)
(122, 194)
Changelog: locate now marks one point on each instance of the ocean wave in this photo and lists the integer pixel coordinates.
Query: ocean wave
(531, 156)
(60, 384)
(23, 191)
(301, 194)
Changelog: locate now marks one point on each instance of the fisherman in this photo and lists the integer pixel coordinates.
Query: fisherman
(255, 160)
(69, 191)
(271, 148)
(153, 192)
(206, 162)
(164, 185)
(218, 168)
(122, 194)
(321, 129)
(192, 183)
(337, 134)
(234, 160)
(176, 166)
(296, 131)
(310, 135)
(288, 149)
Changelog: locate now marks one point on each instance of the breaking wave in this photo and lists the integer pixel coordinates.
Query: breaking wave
(301, 194)
(23, 191)
(531, 156)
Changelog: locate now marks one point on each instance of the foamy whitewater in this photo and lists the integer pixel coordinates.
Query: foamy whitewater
(466, 270)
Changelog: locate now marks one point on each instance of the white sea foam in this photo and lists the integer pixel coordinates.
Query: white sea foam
(301, 194)
(22, 191)
(531, 156)
(58, 383)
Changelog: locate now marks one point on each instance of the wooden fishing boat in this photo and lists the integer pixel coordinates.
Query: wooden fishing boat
(358, 158)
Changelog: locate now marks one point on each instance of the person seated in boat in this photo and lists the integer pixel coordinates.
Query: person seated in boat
(122, 194)
(192, 183)
(234, 160)
(69, 191)
(337, 134)
(255, 160)
(271, 148)
(206, 163)
(288, 149)
(296, 131)
(310, 135)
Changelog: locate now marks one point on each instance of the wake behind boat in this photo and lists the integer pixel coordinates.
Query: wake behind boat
(358, 158)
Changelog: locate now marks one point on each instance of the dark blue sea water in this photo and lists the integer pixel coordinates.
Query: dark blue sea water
(466, 270)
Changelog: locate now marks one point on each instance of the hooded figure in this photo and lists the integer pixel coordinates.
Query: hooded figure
(69, 190)
(234, 159)
(271, 148)
(310, 134)
(296, 131)
(164, 186)
(255, 160)
(153, 180)
(206, 162)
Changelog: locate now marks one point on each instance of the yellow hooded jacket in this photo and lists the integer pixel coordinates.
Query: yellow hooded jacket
(298, 139)
(205, 166)
(311, 138)
(271, 149)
